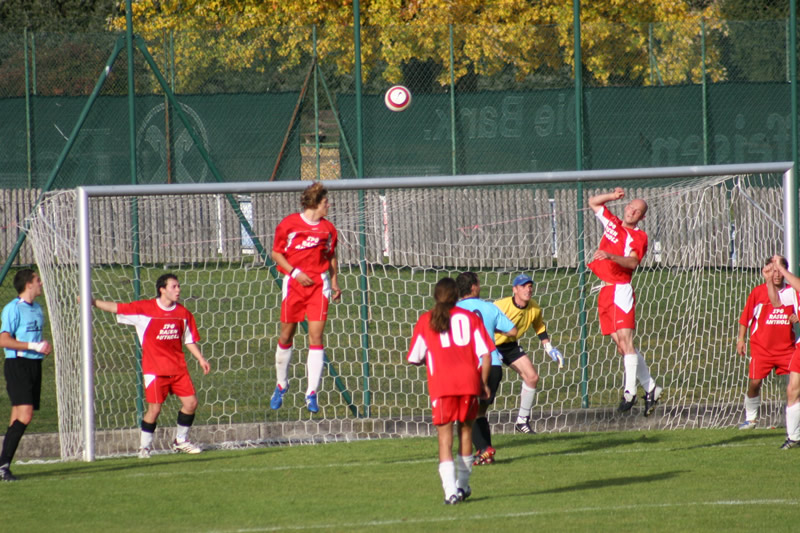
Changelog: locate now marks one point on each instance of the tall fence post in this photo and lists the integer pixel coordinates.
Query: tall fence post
(705, 90)
(452, 104)
(794, 262)
(578, 67)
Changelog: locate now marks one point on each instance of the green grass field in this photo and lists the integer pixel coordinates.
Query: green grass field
(687, 480)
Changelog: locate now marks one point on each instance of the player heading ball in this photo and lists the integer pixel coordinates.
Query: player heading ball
(304, 250)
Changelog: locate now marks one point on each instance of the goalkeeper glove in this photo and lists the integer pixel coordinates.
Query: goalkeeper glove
(554, 354)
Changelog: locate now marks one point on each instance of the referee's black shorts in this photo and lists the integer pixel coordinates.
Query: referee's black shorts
(495, 377)
(510, 352)
(24, 381)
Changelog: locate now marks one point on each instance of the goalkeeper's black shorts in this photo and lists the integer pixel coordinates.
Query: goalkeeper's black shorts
(510, 352)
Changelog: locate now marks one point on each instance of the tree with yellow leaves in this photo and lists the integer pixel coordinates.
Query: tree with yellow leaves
(639, 43)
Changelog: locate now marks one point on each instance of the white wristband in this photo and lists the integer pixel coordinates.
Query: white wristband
(36, 346)
(296, 272)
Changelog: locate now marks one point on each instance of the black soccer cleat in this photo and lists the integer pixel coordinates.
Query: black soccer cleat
(463, 494)
(6, 475)
(627, 402)
(452, 500)
(651, 399)
(524, 427)
(790, 444)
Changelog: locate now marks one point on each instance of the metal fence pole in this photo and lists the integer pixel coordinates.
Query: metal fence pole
(578, 67)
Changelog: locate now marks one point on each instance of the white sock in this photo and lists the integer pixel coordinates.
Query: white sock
(631, 362)
(793, 421)
(463, 470)
(146, 439)
(751, 406)
(526, 399)
(314, 368)
(447, 471)
(283, 356)
(182, 433)
(643, 373)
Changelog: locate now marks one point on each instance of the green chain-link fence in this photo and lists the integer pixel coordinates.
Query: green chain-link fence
(653, 95)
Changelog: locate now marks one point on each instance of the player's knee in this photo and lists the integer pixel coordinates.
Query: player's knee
(25, 417)
(532, 380)
(153, 410)
(189, 405)
(792, 393)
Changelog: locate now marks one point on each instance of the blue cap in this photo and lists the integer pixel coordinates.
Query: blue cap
(522, 279)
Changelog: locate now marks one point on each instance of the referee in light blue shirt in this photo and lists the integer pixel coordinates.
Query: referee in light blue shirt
(469, 291)
(21, 339)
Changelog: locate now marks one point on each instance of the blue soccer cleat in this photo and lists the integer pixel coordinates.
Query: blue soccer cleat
(277, 397)
(311, 402)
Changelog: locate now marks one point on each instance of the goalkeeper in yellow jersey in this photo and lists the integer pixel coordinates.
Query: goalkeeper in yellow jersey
(525, 313)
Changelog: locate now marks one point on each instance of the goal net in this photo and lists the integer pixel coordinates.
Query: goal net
(708, 238)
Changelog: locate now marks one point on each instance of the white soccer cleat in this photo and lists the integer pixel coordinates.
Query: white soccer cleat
(747, 424)
(144, 453)
(185, 447)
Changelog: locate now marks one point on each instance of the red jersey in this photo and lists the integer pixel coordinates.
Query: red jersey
(162, 333)
(306, 246)
(771, 333)
(617, 240)
(453, 357)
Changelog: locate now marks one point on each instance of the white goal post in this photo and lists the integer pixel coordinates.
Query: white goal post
(710, 228)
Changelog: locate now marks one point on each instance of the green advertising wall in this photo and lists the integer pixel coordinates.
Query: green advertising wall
(535, 131)
(243, 133)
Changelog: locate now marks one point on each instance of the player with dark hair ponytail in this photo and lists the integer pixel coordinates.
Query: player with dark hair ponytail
(455, 347)
(446, 295)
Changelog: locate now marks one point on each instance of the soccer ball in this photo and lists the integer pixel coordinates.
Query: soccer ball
(397, 98)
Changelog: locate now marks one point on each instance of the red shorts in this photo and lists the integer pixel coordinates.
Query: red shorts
(454, 409)
(616, 307)
(157, 388)
(761, 366)
(299, 301)
(794, 364)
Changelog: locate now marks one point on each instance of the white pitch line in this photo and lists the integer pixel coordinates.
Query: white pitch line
(525, 514)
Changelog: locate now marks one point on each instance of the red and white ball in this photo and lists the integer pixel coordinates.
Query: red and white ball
(397, 98)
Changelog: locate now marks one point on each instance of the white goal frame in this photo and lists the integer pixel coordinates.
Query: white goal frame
(790, 223)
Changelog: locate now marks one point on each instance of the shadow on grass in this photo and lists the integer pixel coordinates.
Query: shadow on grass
(134, 465)
(612, 482)
(743, 437)
(580, 443)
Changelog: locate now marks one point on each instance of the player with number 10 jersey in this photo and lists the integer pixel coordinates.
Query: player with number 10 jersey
(453, 358)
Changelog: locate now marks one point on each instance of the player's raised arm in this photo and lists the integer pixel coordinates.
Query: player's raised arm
(772, 291)
(103, 305)
(791, 279)
(597, 202)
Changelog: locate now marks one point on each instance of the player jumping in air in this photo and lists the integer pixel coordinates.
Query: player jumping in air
(621, 249)
(455, 347)
(305, 251)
